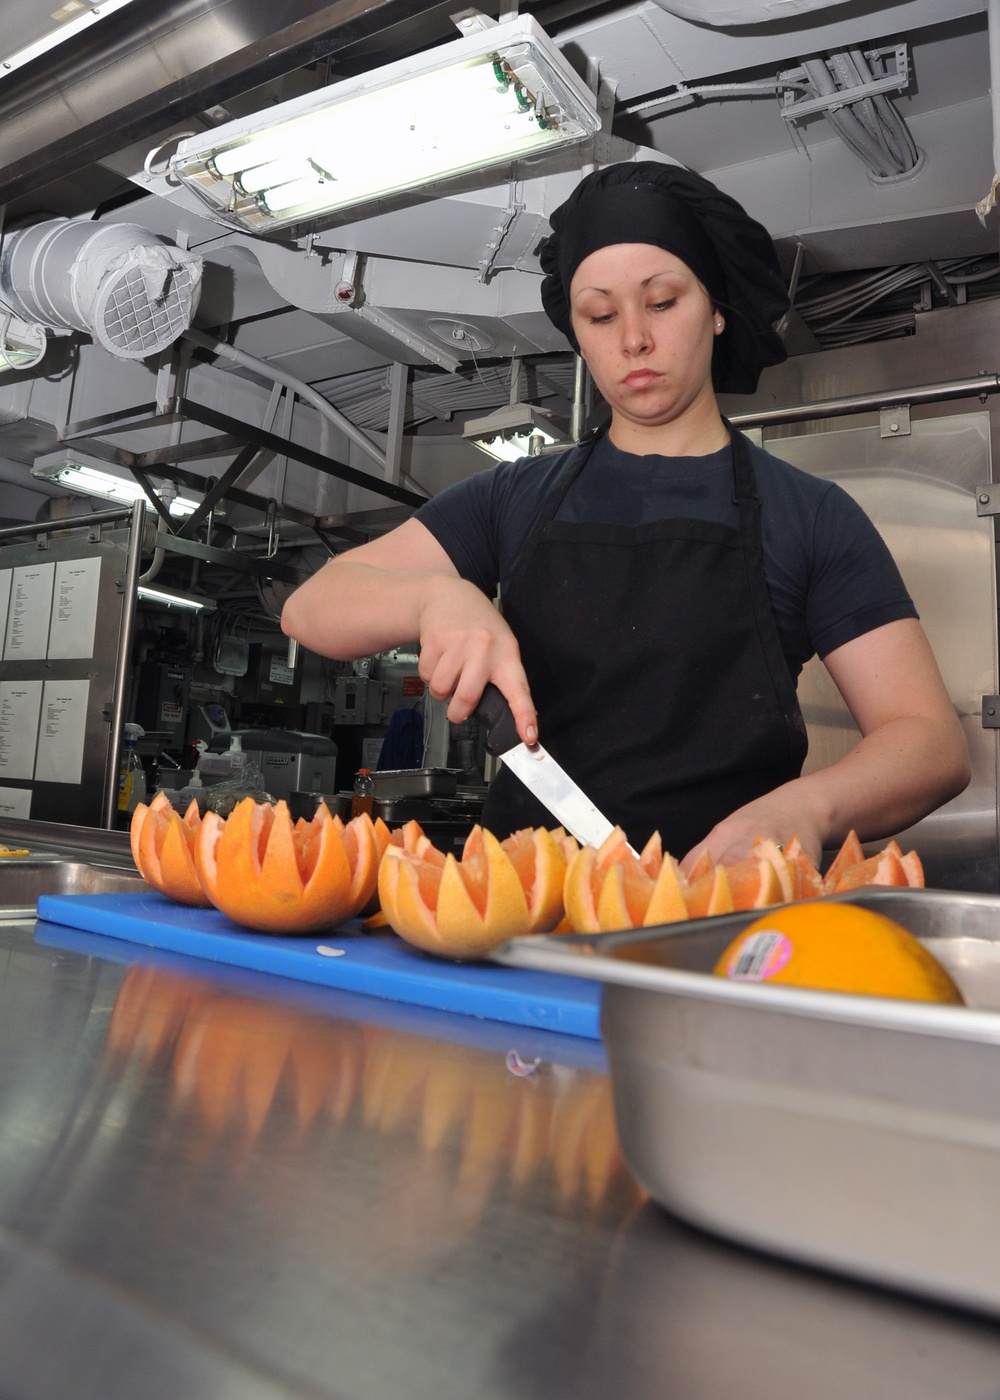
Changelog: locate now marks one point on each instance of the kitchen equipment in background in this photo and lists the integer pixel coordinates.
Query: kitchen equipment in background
(540, 773)
(162, 697)
(393, 783)
(304, 804)
(208, 722)
(861, 1134)
(288, 760)
(232, 653)
(358, 700)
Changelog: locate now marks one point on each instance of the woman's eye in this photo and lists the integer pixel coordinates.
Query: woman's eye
(665, 305)
(600, 320)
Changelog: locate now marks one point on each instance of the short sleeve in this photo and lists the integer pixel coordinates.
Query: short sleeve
(854, 583)
(462, 518)
(483, 521)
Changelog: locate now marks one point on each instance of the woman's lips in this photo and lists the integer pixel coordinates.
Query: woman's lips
(640, 378)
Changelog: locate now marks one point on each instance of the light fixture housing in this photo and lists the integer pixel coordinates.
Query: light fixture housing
(174, 598)
(89, 476)
(22, 343)
(499, 94)
(515, 430)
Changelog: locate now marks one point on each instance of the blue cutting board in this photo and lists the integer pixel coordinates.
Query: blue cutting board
(377, 965)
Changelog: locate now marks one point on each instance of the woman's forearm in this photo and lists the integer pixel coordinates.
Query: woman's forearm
(350, 609)
(891, 778)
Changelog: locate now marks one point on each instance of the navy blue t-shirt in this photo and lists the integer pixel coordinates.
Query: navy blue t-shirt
(829, 573)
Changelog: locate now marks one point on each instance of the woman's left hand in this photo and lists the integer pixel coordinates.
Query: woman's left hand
(778, 816)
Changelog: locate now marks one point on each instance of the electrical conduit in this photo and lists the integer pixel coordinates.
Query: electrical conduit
(305, 391)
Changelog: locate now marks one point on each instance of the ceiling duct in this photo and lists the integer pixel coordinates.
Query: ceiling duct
(117, 282)
(726, 13)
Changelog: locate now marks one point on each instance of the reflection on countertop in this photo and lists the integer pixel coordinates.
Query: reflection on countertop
(212, 1185)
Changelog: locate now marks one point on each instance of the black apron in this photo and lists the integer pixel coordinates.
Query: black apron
(656, 667)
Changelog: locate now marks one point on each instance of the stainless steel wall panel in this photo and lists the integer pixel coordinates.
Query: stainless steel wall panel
(920, 491)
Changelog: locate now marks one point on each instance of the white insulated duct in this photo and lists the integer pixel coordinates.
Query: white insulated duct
(723, 13)
(117, 282)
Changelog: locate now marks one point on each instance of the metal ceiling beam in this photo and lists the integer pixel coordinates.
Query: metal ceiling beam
(146, 68)
(217, 492)
(228, 558)
(86, 434)
(201, 413)
(221, 446)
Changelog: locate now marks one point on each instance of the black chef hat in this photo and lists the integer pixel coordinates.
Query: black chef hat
(731, 255)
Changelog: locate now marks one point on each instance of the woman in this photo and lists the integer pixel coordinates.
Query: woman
(663, 583)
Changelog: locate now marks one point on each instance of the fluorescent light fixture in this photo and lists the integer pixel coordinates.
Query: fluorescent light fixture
(516, 430)
(85, 477)
(22, 343)
(173, 598)
(500, 94)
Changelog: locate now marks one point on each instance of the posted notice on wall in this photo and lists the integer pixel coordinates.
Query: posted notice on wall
(61, 732)
(19, 705)
(28, 614)
(6, 578)
(74, 608)
(16, 803)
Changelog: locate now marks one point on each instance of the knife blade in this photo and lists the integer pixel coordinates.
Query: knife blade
(539, 771)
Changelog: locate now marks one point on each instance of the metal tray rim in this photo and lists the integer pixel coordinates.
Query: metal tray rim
(565, 953)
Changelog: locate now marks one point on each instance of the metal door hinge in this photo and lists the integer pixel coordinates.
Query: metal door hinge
(991, 711)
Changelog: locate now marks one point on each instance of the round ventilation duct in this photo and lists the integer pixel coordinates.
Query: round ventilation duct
(725, 13)
(118, 282)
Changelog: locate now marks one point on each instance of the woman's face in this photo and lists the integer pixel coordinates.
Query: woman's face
(646, 327)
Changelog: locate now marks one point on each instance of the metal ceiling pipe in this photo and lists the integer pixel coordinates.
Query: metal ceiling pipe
(117, 282)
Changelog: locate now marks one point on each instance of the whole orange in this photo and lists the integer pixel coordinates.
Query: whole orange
(837, 948)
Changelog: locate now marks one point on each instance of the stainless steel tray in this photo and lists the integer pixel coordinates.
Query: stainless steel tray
(861, 1134)
(415, 782)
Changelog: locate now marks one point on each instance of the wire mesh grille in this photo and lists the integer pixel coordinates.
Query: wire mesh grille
(142, 314)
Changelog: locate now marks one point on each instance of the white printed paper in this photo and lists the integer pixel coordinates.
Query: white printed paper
(15, 803)
(6, 577)
(19, 704)
(61, 731)
(74, 608)
(28, 615)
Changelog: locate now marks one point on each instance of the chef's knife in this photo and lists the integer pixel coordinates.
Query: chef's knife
(539, 771)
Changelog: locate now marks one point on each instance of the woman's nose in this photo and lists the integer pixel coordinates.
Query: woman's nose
(636, 336)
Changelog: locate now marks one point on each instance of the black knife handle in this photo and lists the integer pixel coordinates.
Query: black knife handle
(494, 712)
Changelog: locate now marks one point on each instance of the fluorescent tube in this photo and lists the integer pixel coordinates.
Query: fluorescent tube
(171, 598)
(80, 478)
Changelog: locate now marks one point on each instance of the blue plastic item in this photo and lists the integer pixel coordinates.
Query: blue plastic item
(377, 965)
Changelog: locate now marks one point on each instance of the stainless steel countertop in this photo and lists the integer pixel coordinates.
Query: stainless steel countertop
(218, 1186)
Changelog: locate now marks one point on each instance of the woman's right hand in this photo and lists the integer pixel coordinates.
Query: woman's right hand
(465, 642)
(403, 587)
